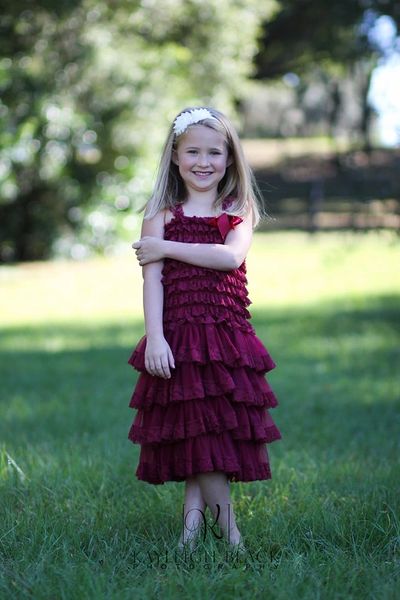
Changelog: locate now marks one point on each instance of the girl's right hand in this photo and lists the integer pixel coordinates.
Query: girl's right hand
(158, 357)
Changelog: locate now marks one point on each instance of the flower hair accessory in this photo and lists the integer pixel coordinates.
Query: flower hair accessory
(190, 117)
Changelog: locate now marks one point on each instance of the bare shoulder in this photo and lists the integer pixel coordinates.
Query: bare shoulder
(245, 223)
(168, 215)
(247, 219)
(155, 226)
(241, 234)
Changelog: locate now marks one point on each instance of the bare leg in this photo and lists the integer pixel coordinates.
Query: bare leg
(193, 515)
(215, 489)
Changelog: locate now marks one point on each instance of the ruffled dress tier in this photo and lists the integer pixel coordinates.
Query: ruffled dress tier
(212, 414)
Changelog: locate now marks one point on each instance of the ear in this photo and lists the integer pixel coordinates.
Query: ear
(175, 157)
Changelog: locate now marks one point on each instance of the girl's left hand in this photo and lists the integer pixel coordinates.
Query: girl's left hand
(149, 249)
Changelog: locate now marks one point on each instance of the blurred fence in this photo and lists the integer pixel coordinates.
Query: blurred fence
(322, 190)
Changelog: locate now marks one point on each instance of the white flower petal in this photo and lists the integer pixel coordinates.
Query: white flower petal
(190, 117)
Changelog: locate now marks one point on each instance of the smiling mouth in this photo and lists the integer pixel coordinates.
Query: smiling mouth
(202, 173)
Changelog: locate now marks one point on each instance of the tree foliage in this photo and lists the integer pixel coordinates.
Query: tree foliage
(331, 41)
(306, 33)
(88, 89)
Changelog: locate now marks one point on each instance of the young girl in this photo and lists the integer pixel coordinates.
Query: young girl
(201, 396)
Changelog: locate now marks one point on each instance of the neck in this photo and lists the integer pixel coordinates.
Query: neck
(204, 201)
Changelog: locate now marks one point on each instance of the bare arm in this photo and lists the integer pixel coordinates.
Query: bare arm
(223, 257)
(158, 355)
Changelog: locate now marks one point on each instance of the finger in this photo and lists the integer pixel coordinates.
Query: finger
(147, 365)
(136, 244)
(151, 367)
(165, 367)
(171, 359)
(159, 368)
(154, 368)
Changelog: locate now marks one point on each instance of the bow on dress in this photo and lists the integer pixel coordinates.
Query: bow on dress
(225, 223)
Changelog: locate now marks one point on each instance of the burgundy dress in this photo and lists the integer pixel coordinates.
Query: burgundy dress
(212, 414)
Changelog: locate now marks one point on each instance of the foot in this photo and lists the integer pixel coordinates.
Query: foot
(188, 542)
(238, 545)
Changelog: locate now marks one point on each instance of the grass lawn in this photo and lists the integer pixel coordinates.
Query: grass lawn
(75, 523)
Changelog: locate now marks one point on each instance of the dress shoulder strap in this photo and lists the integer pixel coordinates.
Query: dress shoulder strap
(177, 210)
(226, 203)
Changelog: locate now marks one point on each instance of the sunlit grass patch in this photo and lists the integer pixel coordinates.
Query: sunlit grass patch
(76, 523)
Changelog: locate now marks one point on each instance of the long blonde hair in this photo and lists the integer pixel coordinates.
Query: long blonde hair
(238, 181)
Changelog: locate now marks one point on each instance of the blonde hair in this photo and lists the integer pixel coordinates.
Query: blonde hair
(238, 181)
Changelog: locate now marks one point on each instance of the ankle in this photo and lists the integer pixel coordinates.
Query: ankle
(234, 536)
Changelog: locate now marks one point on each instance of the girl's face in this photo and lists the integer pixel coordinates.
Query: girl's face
(202, 158)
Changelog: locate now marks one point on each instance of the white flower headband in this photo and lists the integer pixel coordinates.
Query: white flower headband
(190, 117)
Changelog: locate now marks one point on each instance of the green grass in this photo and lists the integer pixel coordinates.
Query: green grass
(76, 523)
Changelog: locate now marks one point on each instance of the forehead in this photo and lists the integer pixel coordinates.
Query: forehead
(201, 135)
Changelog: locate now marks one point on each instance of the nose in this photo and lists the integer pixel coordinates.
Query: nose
(203, 160)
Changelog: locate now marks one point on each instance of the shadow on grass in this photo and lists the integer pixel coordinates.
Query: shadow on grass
(78, 508)
(335, 377)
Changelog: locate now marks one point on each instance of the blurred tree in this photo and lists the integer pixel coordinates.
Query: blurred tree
(88, 89)
(331, 37)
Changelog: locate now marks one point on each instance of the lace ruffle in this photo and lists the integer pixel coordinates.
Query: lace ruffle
(204, 344)
(212, 414)
(240, 460)
(178, 421)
